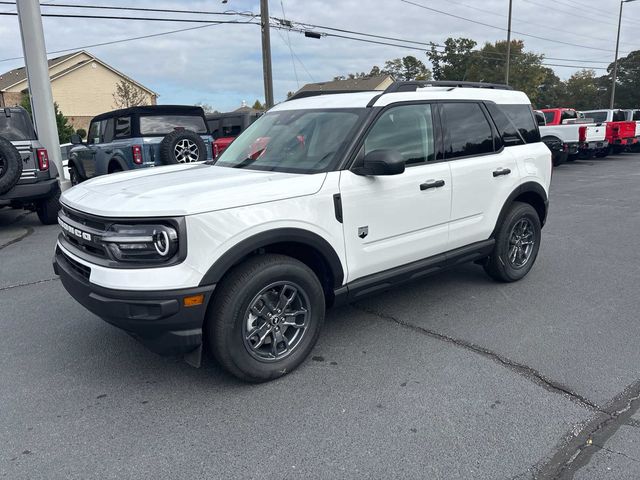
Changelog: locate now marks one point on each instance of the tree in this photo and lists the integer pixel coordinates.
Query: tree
(551, 93)
(581, 91)
(206, 107)
(406, 68)
(65, 130)
(452, 63)
(628, 81)
(257, 105)
(128, 95)
(82, 133)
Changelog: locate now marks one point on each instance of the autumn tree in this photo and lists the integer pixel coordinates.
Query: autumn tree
(406, 68)
(128, 95)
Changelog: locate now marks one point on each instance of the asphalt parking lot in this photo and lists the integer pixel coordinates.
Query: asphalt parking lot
(452, 377)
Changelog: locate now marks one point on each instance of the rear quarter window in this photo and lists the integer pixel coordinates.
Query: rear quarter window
(163, 124)
(522, 117)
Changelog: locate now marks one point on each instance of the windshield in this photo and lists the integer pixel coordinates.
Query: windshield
(597, 117)
(163, 124)
(296, 141)
(16, 127)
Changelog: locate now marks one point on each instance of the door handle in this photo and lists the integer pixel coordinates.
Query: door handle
(501, 171)
(432, 184)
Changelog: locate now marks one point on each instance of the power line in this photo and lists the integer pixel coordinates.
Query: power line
(288, 42)
(123, 40)
(504, 29)
(113, 17)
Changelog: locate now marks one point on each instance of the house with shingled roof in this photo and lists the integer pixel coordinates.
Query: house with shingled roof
(83, 86)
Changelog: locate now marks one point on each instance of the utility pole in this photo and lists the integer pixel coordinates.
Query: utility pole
(35, 58)
(615, 61)
(266, 53)
(508, 63)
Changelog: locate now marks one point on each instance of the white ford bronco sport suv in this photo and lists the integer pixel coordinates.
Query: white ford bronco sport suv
(323, 200)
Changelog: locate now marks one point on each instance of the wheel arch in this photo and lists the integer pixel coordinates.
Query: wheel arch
(303, 245)
(532, 193)
(116, 161)
(77, 164)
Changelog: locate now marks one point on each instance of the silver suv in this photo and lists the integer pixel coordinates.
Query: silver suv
(27, 180)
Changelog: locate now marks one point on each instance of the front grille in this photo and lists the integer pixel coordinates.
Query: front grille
(87, 232)
(79, 268)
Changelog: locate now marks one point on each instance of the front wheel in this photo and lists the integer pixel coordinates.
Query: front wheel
(517, 244)
(48, 208)
(266, 317)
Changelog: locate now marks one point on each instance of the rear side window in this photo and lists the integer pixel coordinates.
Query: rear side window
(122, 127)
(549, 116)
(106, 131)
(522, 117)
(467, 130)
(505, 126)
(407, 129)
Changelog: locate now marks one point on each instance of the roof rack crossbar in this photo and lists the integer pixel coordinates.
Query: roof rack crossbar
(413, 85)
(316, 93)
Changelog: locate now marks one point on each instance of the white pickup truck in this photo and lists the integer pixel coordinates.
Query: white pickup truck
(580, 136)
(634, 116)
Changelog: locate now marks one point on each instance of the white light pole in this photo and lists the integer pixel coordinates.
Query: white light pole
(508, 65)
(615, 62)
(35, 58)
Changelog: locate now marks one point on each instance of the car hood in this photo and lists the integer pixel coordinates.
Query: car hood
(185, 190)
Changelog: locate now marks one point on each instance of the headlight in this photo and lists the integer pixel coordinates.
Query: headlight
(141, 243)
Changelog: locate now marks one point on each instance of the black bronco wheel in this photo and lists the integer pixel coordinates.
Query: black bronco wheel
(74, 176)
(182, 146)
(265, 317)
(10, 165)
(48, 208)
(517, 244)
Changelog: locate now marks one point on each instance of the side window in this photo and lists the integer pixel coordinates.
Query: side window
(94, 133)
(507, 129)
(636, 115)
(619, 116)
(522, 117)
(122, 127)
(568, 115)
(407, 129)
(467, 130)
(106, 131)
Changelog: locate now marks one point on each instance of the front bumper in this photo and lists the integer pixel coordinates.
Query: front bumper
(158, 319)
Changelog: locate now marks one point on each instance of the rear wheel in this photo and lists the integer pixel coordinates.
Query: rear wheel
(517, 244)
(48, 208)
(265, 317)
(74, 176)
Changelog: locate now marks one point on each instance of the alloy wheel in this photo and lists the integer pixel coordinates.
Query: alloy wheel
(186, 151)
(521, 243)
(276, 321)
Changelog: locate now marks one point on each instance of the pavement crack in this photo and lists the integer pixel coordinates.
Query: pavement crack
(578, 451)
(617, 453)
(524, 370)
(28, 231)
(27, 284)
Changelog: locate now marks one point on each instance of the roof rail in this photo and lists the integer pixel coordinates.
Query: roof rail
(413, 85)
(315, 93)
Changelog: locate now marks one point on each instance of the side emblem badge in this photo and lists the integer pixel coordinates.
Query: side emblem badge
(363, 232)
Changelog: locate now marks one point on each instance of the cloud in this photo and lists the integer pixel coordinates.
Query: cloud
(222, 65)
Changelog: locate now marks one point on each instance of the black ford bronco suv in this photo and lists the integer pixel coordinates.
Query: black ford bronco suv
(27, 180)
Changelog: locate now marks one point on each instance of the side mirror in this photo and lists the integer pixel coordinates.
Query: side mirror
(381, 162)
(76, 139)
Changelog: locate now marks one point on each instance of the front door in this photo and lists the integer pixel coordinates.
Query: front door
(87, 155)
(394, 220)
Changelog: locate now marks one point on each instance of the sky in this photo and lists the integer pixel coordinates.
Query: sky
(221, 65)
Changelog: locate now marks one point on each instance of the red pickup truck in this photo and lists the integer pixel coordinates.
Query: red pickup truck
(621, 134)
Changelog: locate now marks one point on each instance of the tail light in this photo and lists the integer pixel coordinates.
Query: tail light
(216, 151)
(43, 158)
(137, 154)
(582, 135)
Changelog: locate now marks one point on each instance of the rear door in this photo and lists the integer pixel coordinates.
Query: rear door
(483, 171)
(104, 149)
(394, 220)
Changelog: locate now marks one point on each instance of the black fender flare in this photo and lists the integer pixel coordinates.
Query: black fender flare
(119, 161)
(271, 237)
(526, 188)
(73, 160)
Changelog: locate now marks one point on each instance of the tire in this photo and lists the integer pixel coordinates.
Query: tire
(74, 176)
(182, 146)
(229, 323)
(115, 168)
(48, 208)
(603, 153)
(10, 166)
(618, 149)
(573, 157)
(500, 266)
